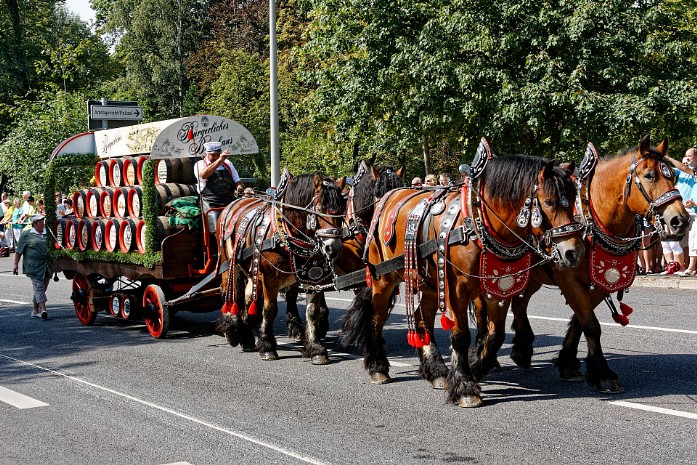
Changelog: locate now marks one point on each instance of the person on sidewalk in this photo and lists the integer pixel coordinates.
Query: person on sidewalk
(685, 182)
(32, 245)
(687, 185)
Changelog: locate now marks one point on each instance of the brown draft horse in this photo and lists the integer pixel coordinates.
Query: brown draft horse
(271, 243)
(505, 185)
(369, 185)
(635, 182)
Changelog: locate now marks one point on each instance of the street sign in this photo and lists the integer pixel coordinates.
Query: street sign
(130, 113)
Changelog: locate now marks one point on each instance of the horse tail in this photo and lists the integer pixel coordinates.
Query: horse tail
(358, 324)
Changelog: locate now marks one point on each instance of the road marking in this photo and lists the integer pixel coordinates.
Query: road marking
(237, 434)
(532, 317)
(15, 302)
(649, 408)
(178, 463)
(18, 400)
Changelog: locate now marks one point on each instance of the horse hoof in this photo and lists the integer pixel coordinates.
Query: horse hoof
(439, 383)
(320, 360)
(269, 356)
(232, 340)
(523, 361)
(609, 386)
(469, 401)
(573, 375)
(379, 378)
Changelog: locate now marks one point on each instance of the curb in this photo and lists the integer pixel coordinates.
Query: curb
(666, 282)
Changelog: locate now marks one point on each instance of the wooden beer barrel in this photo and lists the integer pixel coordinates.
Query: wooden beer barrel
(135, 201)
(84, 233)
(140, 161)
(170, 191)
(70, 233)
(97, 235)
(116, 172)
(127, 235)
(119, 202)
(162, 225)
(79, 203)
(111, 234)
(129, 306)
(93, 201)
(115, 304)
(101, 173)
(59, 232)
(105, 202)
(175, 170)
(129, 171)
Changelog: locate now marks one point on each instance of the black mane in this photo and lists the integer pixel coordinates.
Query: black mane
(367, 190)
(301, 191)
(508, 181)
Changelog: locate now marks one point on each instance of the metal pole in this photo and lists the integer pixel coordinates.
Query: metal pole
(275, 151)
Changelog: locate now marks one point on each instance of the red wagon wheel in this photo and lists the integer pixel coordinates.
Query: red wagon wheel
(156, 315)
(80, 298)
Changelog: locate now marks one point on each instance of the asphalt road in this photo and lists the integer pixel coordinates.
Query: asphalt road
(109, 393)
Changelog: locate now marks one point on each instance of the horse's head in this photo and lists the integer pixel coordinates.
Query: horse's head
(370, 184)
(556, 197)
(532, 196)
(650, 191)
(328, 208)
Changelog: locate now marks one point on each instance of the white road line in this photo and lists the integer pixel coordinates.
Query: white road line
(237, 434)
(178, 463)
(15, 302)
(18, 400)
(649, 408)
(566, 320)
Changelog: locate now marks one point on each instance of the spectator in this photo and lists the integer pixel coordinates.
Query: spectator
(28, 212)
(416, 182)
(687, 185)
(443, 179)
(6, 220)
(60, 208)
(430, 180)
(41, 208)
(68, 207)
(25, 200)
(32, 244)
(16, 225)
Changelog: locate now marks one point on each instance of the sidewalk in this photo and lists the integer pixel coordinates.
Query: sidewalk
(665, 281)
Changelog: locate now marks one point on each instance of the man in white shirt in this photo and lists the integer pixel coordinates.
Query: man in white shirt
(216, 177)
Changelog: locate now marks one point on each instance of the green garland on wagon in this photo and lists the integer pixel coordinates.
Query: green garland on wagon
(148, 259)
(150, 210)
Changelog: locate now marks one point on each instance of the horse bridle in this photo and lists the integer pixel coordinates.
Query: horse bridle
(312, 222)
(654, 204)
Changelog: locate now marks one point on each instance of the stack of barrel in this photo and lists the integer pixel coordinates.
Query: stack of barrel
(109, 216)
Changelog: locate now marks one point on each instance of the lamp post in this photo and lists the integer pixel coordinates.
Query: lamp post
(275, 150)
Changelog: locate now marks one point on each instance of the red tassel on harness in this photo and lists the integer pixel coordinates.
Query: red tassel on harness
(418, 343)
(410, 338)
(446, 323)
(426, 339)
(368, 278)
(227, 308)
(235, 309)
(621, 319)
(252, 309)
(625, 309)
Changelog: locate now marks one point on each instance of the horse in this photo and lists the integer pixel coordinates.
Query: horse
(508, 203)
(637, 181)
(369, 185)
(271, 243)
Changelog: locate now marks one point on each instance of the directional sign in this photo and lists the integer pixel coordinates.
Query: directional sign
(116, 112)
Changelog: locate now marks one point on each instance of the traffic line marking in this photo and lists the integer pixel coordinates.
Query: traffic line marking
(15, 302)
(650, 408)
(237, 434)
(178, 463)
(18, 400)
(566, 320)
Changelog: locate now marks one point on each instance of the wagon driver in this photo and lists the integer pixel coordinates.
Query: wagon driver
(32, 244)
(217, 178)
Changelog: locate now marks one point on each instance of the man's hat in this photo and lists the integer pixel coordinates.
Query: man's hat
(35, 218)
(213, 147)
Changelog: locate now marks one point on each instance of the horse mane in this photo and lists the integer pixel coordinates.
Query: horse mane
(367, 190)
(301, 191)
(509, 180)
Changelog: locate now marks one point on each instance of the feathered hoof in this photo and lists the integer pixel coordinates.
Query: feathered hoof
(269, 356)
(573, 375)
(469, 401)
(295, 332)
(320, 360)
(609, 386)
(234, 341)
(380, 378)
(439, 383)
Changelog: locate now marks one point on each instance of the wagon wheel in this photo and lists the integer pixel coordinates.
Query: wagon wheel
(156, 315)
(80, 298)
